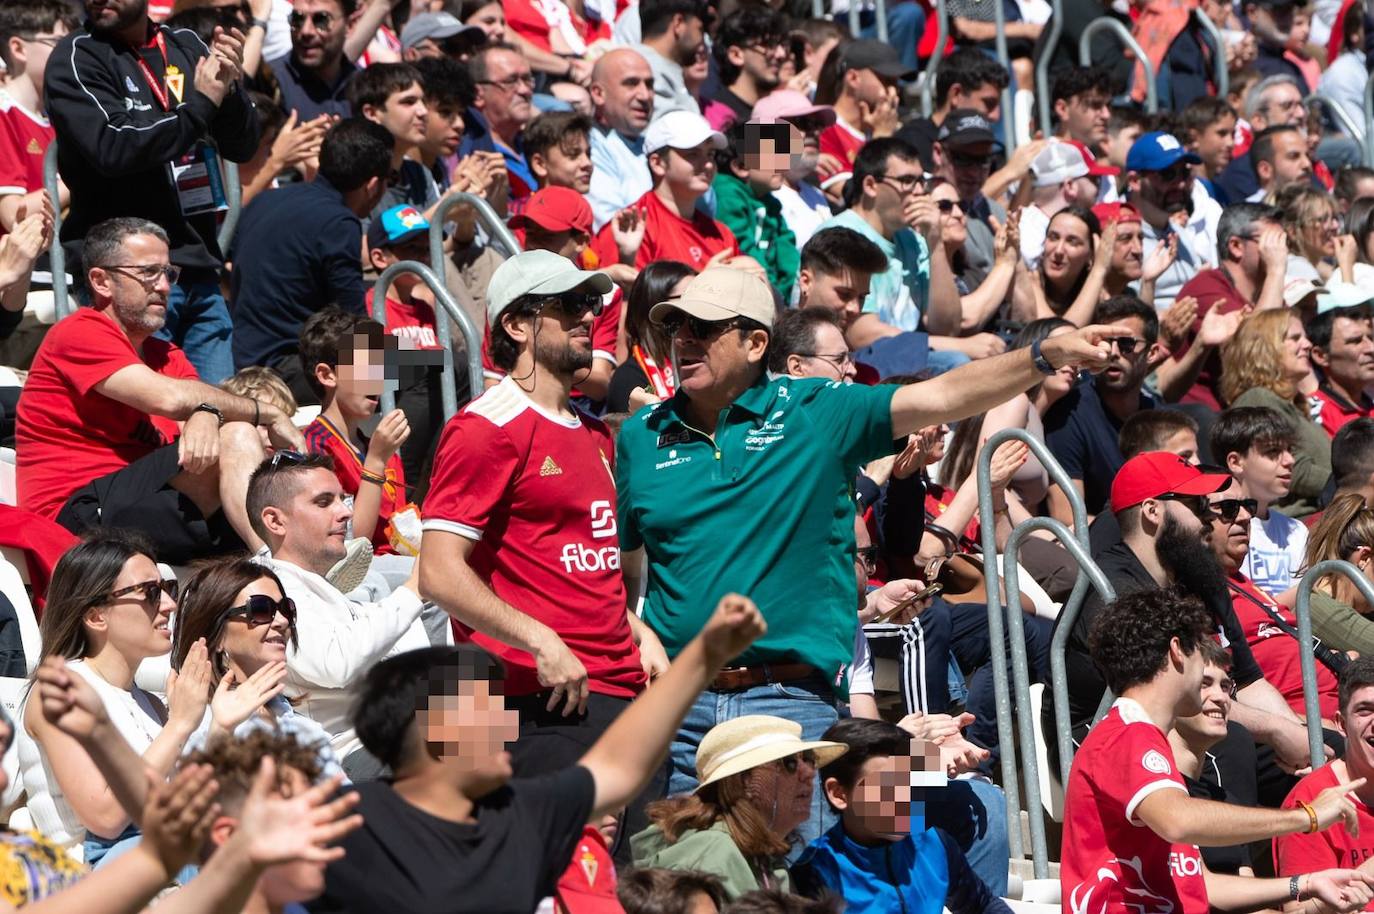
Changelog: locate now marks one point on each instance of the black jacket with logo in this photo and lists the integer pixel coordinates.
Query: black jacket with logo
(115, 141)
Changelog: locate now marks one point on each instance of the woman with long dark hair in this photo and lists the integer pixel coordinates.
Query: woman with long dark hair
(647, 375)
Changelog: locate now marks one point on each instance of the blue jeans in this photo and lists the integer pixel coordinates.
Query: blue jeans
(100, 851)
(809, 702)
(198, 321)
(906, 21)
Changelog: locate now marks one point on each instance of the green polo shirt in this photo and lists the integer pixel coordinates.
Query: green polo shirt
(762, 510)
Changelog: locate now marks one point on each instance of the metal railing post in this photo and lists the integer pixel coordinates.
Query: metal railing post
(1108, 24)
(1042, 68)
(1302, 608)
(1008, 98)
(1369, 121)
(817, 9)
(1342, 116)
(880, 20)
(1006, 739)
(1020, 668)
(57, 257)
(233, 195)
(928, 78)
(1223, 76)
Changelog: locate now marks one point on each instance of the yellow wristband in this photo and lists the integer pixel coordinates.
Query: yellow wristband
(1312, 828)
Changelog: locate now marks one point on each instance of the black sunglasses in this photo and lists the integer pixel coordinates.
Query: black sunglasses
(698, 328)
(571, 304)
(260, 609)
(1127, 345)
(1228, 509)
(320, 19)
(1195, 503)
(793, 762)
(287, 458)
(945, 206)
(151, 595)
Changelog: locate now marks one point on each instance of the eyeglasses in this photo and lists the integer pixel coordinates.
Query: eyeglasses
(794, 762)
(151, 595)
(904, 184)
(147, 273)
(510, 82)
(321, 20)
(571, 304)
(45, 40)
(868, 557)
(1195, 503)
(1228, 509)
(1126, 345)
(838, 359)
(698, 328)
(260, 609)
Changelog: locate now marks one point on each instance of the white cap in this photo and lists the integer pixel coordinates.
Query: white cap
(680, 130)
(537, 271)
(1057, 163)
(1298, 288)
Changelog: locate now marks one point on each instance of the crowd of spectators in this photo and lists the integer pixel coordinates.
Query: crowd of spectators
(595, 514)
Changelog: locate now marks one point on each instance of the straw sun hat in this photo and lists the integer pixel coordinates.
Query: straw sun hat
(756, 739)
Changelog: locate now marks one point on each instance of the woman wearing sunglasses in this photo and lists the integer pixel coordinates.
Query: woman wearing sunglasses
(1266, 364)
(1341, 617)
(238, 609)
(756, 779)
(108, 611)
(981, 301)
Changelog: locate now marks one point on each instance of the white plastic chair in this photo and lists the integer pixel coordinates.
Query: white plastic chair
(1051, 791)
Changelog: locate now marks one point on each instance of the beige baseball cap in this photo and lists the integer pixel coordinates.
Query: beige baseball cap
(720, 293)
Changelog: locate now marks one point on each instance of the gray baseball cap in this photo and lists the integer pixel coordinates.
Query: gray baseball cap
(433, 25)
(537, 271)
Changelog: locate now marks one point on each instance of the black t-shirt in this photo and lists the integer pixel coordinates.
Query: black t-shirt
(627, 377)
(1082, 434)
(405, 861)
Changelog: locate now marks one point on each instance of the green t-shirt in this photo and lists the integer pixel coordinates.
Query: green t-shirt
(765, 510)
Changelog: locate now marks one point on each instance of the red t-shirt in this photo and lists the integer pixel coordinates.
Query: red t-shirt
(843, 142)
(536, 493)
(1332, 847)
(412, 322)
(1112, 862)
(668, 236)
(525, 19)
(24, 138)
(605, 335)
(1211, 288)
(66, 433)
(937, 502)
(1337, 410)
(1275, 651)
(322, 438)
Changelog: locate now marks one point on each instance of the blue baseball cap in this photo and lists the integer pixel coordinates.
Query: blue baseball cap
(396, 225)
(1157, 151)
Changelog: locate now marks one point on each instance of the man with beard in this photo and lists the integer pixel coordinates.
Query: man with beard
(1082, 427)
(520, 521)
(1161, 505)
(1160, 185)
(314, 76)
(137, 108)
(1131, 831)
(114, 428)
(1271, 101)
(804, 205)
(1279, 157)
(1343, 354)
(750, 48)
(622, 92)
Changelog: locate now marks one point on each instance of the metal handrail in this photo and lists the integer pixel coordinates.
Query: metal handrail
(1004, 58)
(1108, 24)
(1042, 67)
(57, 257)
(1020, 670)
(928, 77)
(233, 196)
(1337, 111)
(448, 307)
(1369, 121)
(996, 630)
(1302, 608)
(1223, 76)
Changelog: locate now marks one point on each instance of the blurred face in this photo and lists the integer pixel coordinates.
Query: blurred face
(505, 95)
(782, 791)
(492, 20)
(1296, 349)
(623, 92)
(1062, 381)
(1208, 727)
(136, 287)
(883, 803)
(251, 647)
(1351, 357)
(318, 30)
(1290, 161)
(1068, 249)
(314, 520)
(443, 128)
(1356, 722)
(953, 222)
(359, 378)
(842, 295)
(135, 626)
(1085, 116)
(688, 171)
(828, 357)
(1125, 370)
(470, 731)
(1215, 142)
(1129, 251)
(1230, 538)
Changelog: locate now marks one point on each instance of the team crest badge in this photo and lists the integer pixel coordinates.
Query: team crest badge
(176, 81)
(589, 864)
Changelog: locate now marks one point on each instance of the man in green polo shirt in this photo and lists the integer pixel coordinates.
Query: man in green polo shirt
(742, 483)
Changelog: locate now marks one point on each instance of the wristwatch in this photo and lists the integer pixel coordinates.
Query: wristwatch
(260, 23)
(207, 408)
(1042, 364)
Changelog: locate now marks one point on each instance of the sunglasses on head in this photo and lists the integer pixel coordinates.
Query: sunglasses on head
(320, 19)
(287, 458)
(571, 304)
(260, 609)
(698, 328)
(1228, 509)
(151, 592)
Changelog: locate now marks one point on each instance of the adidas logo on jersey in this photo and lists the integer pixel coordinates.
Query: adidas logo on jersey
(34, 149)
(549, 468)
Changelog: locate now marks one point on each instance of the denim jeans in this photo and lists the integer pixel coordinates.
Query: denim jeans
(905, 23)
(198, 321)
(809, 702)
(98, 852)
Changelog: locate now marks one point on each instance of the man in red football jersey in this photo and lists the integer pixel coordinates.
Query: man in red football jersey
(1125, 777)
(520, 521)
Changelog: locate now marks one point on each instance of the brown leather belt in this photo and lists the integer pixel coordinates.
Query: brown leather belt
(746, 677)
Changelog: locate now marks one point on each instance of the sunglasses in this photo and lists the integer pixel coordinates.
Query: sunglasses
(1228, 509)
(287, 458)
(698, 328)
(964, 160)
(794, 762)
(321, 20)
(1126, 345)
(571, 304)
(945, 206)
(1174, 172)
(260, 609)
(151, 592)
(1195, 503)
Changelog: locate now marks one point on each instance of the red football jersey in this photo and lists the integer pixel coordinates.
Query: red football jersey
(843, 142)
(668, 236)
(1113, 863)
(1275, 651)
(1332, 847)
(1336, 410)
(321, 437)
(66, 433)
(24, 138)
(413, 323)
(525, 18)
(536, 492)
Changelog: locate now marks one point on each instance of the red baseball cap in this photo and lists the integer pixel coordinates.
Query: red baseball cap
(1094, 168)
(587, 886)
(555, 209)
(1157, 473)
(1121, 212)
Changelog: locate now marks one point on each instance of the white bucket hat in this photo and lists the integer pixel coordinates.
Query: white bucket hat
(753, 740)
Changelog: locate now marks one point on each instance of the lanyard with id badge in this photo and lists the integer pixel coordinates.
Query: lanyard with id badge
(200, 187)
